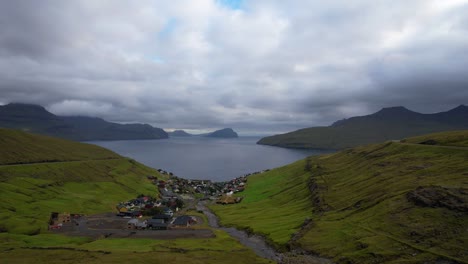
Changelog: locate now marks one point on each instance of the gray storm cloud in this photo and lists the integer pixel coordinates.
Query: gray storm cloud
(268, 67)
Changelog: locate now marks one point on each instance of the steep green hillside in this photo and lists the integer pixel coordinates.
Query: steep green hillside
(275, 203)
(390, 202)
(387, 124)
(40, 174)
(20, 147)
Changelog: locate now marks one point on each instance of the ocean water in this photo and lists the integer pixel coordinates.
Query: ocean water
(207, 158)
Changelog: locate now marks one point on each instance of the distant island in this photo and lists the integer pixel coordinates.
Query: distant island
(222, 133)
(36, 119)
(179, 133)
(391, 123)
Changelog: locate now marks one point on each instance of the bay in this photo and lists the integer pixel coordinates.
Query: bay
(207, 158)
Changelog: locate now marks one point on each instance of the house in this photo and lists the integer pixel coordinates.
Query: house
(168, 212)
(122, 208)
(228, 199)
(130, 214)
(159, 222)
(184, 221)
(167, 195)
(164, 217)
(57, 220)
(136, 224)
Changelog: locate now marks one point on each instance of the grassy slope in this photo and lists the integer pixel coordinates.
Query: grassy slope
(30, 192)
(276, 203)
(85, 179)
(453, 138)
(20, 147)
(352, 135)
(367, 216)
(43, 249)
(58, 175)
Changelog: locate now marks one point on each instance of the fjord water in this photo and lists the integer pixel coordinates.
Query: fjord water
(207, 158)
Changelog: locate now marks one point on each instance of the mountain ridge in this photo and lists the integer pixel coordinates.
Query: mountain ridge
(389, 123)
(37, 119)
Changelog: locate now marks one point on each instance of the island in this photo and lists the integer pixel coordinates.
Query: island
(223, 133)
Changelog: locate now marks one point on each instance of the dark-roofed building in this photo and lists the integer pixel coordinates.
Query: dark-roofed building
(184, 221)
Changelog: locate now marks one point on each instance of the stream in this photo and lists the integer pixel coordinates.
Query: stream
(255, 242)
(258, 243)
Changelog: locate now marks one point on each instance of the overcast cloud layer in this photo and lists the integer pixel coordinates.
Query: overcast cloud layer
(259, 66)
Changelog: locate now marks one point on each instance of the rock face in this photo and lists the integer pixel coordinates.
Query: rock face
(37, 119)
(387, 124)
(179, 133)
(223, 133)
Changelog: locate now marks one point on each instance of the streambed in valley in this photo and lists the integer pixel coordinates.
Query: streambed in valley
(255, 242)
(258, 243)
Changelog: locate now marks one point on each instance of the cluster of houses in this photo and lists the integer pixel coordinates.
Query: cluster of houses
(176, 187)
(162, 222)
(160, 211)
(171, 194)
(146, 205)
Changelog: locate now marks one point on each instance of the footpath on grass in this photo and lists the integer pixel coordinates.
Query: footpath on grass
(255, 242)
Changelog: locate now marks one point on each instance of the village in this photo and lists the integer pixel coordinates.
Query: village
(172, 211)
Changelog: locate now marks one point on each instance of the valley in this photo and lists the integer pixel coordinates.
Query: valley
(393, 202)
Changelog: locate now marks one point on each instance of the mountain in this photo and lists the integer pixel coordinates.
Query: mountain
(387, 124)
(37, 119)
(393, 202)
(91, 128)
(179, 133)
(222, 133)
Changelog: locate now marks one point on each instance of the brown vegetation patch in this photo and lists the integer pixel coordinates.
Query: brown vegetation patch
(436, 196)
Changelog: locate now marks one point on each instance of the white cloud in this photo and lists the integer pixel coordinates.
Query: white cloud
(269, 66)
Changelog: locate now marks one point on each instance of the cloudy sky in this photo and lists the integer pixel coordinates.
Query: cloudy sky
(259, 66)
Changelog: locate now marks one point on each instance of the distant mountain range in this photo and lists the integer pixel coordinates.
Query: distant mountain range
(37, 119)
(387, 124)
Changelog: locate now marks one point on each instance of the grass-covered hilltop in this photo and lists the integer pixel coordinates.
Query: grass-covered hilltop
(393, 202)
(391, 123)
(40, 175)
